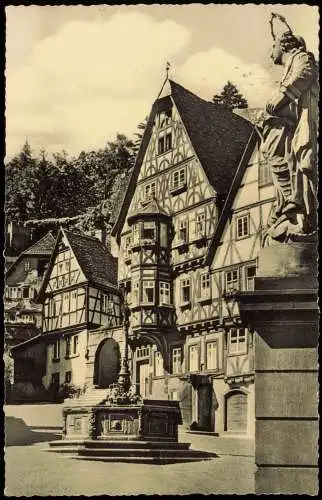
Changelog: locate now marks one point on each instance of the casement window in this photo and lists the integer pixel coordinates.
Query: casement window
(56, 349)
(136, 233)
(193, 351)
(68, 377)
(107, 306)
(149, 191)
(183, 231)
(148, 231)
(242, 226)
(232, 280)
(27, 265)
(185, 291)
(161, 145)
(264, 174)
(164, 290)
(75, 344)
(53, 307)
(250, 273)
(176, 360)
(164, 143)
(148, 292)
(25, 292)
(178, 178)
(201, 224)
(212, 355)
(237, 341)
(158, 364)
(135, 293)
(205, 290)
(73, 301)
(168, 141)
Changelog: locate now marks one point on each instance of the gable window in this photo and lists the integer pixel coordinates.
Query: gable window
(205, 286)
(176, 360)
(165, 118)
(161, 145)
(149, 191)
(56, 350)
(211, 356)
(200, 224)
(264, 174)
(158, 364)
(193, 358)
(185, 291)
(250, 273)
(168, 141)
(27, 265)
(148, 292)
(73, 301)
(148, 231)
(183, 231)
(178, 179)
(237, 341)
(242, 226)
(164, 292)
(107, 303)
(232, 281)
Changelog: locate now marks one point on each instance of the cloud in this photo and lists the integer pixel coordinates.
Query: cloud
(205, 73)
(90, 80)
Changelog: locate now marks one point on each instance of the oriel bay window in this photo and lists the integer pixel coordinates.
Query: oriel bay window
(237, 341)
(136, 233)
(149, 231)
(148, 292)
(164, 290)
(135, 296)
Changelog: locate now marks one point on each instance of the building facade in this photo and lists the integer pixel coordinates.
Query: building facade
(178, 329)
(81, 317)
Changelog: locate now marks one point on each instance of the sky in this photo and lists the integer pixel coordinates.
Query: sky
(78, 75)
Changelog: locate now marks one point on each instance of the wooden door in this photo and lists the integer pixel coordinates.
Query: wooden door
(236, 412)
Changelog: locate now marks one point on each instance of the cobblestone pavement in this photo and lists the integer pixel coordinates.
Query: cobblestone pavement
(31, 470)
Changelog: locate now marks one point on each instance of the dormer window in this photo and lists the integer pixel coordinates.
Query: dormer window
(164, 143)
(148, 231)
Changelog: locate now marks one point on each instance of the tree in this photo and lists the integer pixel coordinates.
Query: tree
(141, 129)
(230, 98)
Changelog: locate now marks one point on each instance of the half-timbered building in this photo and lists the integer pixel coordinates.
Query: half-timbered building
(184, 169)
(81, 310)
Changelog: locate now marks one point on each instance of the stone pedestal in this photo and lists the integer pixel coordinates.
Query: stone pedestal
(283, 311)
(141, 433)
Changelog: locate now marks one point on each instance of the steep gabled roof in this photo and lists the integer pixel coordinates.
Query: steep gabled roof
(211, 252)
(217, 135)
(96, 262)
(42, 248)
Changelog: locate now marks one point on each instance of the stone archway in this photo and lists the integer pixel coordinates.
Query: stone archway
(107, 363)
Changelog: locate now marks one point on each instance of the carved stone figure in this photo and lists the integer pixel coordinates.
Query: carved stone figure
(289, 139)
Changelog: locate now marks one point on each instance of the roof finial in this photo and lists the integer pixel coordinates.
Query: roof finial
(167, 68)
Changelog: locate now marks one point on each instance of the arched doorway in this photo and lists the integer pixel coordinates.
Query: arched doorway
(236, 412)
(107, 363)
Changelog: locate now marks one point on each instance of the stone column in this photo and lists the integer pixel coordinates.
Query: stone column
(283, 311)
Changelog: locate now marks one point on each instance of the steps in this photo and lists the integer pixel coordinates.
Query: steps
(92, 397)
(134, 451)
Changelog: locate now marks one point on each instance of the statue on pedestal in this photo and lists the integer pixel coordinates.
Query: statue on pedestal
(289, 138)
